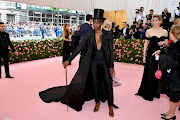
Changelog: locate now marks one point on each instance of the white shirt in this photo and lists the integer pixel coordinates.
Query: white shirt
(124, 31)
(177, 12)
(140, 17)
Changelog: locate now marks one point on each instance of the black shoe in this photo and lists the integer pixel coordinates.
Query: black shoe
(9, 76)
(173, 118)
(116, 107)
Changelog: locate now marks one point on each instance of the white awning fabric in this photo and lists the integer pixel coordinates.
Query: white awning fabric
(108, 5)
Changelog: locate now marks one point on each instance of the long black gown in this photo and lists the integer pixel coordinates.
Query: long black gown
(81, 88)
(149, 85)
(66, 48)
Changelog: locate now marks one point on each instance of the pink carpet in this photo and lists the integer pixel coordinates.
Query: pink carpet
(19, 99)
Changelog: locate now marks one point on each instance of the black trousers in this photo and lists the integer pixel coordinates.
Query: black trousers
(5, 55)
(96, 68)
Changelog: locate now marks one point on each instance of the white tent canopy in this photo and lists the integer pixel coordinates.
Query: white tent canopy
(108, 5)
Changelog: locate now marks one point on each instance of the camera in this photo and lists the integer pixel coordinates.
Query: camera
(149, 16)
(137, 10)
(163, 12)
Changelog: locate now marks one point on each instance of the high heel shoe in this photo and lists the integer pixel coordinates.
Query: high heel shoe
(173, 118)
(96, 108)
(163, 114)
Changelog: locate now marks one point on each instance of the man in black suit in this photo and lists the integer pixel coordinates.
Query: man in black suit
(84, 29)
(4, 52)
(125, 30)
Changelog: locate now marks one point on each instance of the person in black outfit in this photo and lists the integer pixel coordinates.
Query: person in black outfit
(125, 30)
(169, 62)
(149, 85)
(166, 17)
(84, 29)
(150, 16)
(75, 39)
(100, 60)
(4, 52)
(67, 41)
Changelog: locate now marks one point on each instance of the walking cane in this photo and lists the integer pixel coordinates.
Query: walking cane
(66, 86)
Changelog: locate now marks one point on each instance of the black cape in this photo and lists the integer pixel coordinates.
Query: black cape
(81, 87)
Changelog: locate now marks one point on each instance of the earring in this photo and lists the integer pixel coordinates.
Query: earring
(101, 27)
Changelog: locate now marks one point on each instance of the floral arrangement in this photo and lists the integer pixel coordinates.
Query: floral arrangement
(125, 50)
(36, 49)
(128, 51)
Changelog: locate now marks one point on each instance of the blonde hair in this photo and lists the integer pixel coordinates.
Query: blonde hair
(158, 16)
(177, 21)
(175, 30)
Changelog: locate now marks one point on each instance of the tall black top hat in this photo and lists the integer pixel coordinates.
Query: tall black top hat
(98, 13)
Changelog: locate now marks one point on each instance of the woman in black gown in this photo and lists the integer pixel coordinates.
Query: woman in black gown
(156, 38)
(169, 83)
(98, 64)
(67, 41)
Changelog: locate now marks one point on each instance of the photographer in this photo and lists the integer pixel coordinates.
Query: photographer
(125, 31)
(133, 31)
(166, 16)
(142, 31)
(177, 12)
(150, 16)
(114, 30)
(140, 15)
(149, 23)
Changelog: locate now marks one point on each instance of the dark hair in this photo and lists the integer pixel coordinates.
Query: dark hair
(88, 17)
(1, 23)
(151, 10)
(141, 7)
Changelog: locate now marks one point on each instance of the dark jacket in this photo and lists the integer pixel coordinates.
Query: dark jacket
(170, 66)
(6, 41)
(81, 87)
(127, 32)
(107, 44)
(84, 29)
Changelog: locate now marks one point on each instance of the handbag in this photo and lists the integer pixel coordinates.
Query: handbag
(158, 73)
(116, 82)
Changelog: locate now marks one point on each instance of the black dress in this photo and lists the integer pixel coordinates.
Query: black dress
(81, 88)
(149, 85)
(66, 48)
(169, 62)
